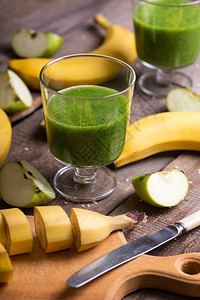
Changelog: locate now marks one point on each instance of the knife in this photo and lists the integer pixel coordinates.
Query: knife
(132, 250)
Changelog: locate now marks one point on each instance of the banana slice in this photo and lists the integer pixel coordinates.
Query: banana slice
(53, 228)
(90, 228)
(3, 234)
(183, 99)
(6, 269)
(19, 236)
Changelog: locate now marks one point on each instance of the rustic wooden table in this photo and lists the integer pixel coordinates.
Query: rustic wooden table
(73, 19)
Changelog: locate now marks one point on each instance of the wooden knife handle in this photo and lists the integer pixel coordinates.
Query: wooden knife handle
(191, 221)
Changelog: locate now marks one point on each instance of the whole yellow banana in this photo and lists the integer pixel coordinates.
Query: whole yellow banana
(119, 42)
(161, 132)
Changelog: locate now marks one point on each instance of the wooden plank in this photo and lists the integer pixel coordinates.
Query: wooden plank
(29, 139)
(74, 21)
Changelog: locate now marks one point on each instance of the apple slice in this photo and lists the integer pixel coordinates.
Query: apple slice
(21, 185)
(31, 43)
(164, 189)
(14, 94)
(183, 99)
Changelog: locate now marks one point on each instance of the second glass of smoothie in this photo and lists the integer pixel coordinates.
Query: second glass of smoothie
(167, 37)
(87, 102)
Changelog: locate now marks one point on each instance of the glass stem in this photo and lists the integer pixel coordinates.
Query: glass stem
(164, 76)
(85, 175)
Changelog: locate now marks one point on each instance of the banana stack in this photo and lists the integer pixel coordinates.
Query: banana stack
(55, 231)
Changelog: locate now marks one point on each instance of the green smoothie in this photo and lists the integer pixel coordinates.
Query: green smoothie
(167, 37)
(87, 132)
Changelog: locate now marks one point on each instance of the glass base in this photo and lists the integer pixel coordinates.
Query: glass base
(160, 83)
(85, 185)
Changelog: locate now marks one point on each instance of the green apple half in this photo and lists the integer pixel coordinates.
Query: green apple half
(31, 43)
(183, 99)
(163, 189)
(21, 185)
(14, 94)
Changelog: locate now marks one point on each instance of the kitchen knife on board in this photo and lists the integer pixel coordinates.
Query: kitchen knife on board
(132, 250)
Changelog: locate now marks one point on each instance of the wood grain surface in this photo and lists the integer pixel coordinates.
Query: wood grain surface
(74, 21)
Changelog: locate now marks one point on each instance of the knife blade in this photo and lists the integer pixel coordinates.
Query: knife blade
(132, 250)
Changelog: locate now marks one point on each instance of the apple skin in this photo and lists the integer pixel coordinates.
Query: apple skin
(54, 43)
(140, 183)
(16, 106)
(40, 198)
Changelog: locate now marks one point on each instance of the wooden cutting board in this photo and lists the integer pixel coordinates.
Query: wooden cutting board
(43, 276)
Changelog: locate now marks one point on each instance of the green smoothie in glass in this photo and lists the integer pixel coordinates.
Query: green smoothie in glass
(90, 132)
(167, 37)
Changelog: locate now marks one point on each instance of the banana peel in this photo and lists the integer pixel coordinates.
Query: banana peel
(90, 228)
(161, 132)
(119, 42)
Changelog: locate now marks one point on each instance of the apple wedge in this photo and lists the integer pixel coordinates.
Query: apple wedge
(163, 189)
(31, 43)
(14, 94)
(183, 99)
(21, 185)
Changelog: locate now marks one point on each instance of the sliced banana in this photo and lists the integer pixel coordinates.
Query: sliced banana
(3, 234)
(6, 269)
(53, 228)
(91, 228)
(19, 236)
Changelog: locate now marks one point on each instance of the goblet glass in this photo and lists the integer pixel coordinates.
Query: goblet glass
(167, 37)
(86, 101)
